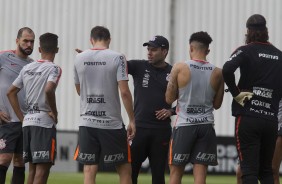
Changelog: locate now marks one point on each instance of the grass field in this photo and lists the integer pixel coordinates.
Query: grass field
(112, 178)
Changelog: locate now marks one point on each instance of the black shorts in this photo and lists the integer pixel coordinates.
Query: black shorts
(195, 144)
(11, 138)
(109, 144)
(39, 144)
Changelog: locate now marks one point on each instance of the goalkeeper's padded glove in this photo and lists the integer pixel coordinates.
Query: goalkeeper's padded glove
(243, 97)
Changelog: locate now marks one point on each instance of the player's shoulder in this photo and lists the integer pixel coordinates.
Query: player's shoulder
(181, 64)
(137, 61)
(240, 49)
(52, 64)
(115, 54)
(7, 53)
(53, 67)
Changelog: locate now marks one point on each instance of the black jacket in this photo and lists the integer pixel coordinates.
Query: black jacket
(261, 73)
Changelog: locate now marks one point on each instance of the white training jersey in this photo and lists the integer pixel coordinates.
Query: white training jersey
(98, 72)
(33, 79)
(10, 67)
(195, 101)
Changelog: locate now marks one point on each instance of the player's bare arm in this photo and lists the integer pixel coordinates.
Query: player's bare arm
(172, 86)
(13, 98)
(51, 98)
(128, 104)
(217, 84)
(77, 87)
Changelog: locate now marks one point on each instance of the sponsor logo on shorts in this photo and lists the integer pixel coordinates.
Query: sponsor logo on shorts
(86, 157)
(2, 144)
(181, 157)
(206, 157)
(89, 63)
(40, 155)
(114, 158)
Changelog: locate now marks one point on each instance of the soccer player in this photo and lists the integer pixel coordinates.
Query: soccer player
(39, 81)
(256, 100)
(198, 87)
(11, 63)
(152, 113)
(99, 73)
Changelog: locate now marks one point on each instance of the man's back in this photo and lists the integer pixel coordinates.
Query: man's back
(260, 67)
(33, 78)
(98, 73)
(196, 94)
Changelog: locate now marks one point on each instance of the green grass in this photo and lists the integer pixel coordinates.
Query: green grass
(112, 178)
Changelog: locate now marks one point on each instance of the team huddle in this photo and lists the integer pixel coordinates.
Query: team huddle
(28, 111)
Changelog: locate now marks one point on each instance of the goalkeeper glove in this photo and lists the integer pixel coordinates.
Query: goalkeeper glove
(243, 97)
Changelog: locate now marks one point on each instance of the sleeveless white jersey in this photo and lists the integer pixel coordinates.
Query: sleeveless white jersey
(98, 73)
(10, 67)
(195, 102)
(33, 79)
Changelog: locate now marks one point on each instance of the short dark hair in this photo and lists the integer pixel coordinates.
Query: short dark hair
(202, 37)
(48, 42)
(20, 32)
(100, 33)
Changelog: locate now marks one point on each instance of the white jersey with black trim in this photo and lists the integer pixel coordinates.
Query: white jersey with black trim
(98, 72)
(195, 102)
(10, 67)
(33, 79)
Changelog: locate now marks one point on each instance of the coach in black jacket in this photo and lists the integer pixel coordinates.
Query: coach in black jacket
(152, 113)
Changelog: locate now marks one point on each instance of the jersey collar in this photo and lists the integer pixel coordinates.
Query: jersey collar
(200, 61)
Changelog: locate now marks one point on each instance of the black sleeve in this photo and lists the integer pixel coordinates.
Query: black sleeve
(236, 60)
(130, 67)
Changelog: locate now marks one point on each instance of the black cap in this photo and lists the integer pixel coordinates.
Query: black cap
(158, 41)
(256, 22)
